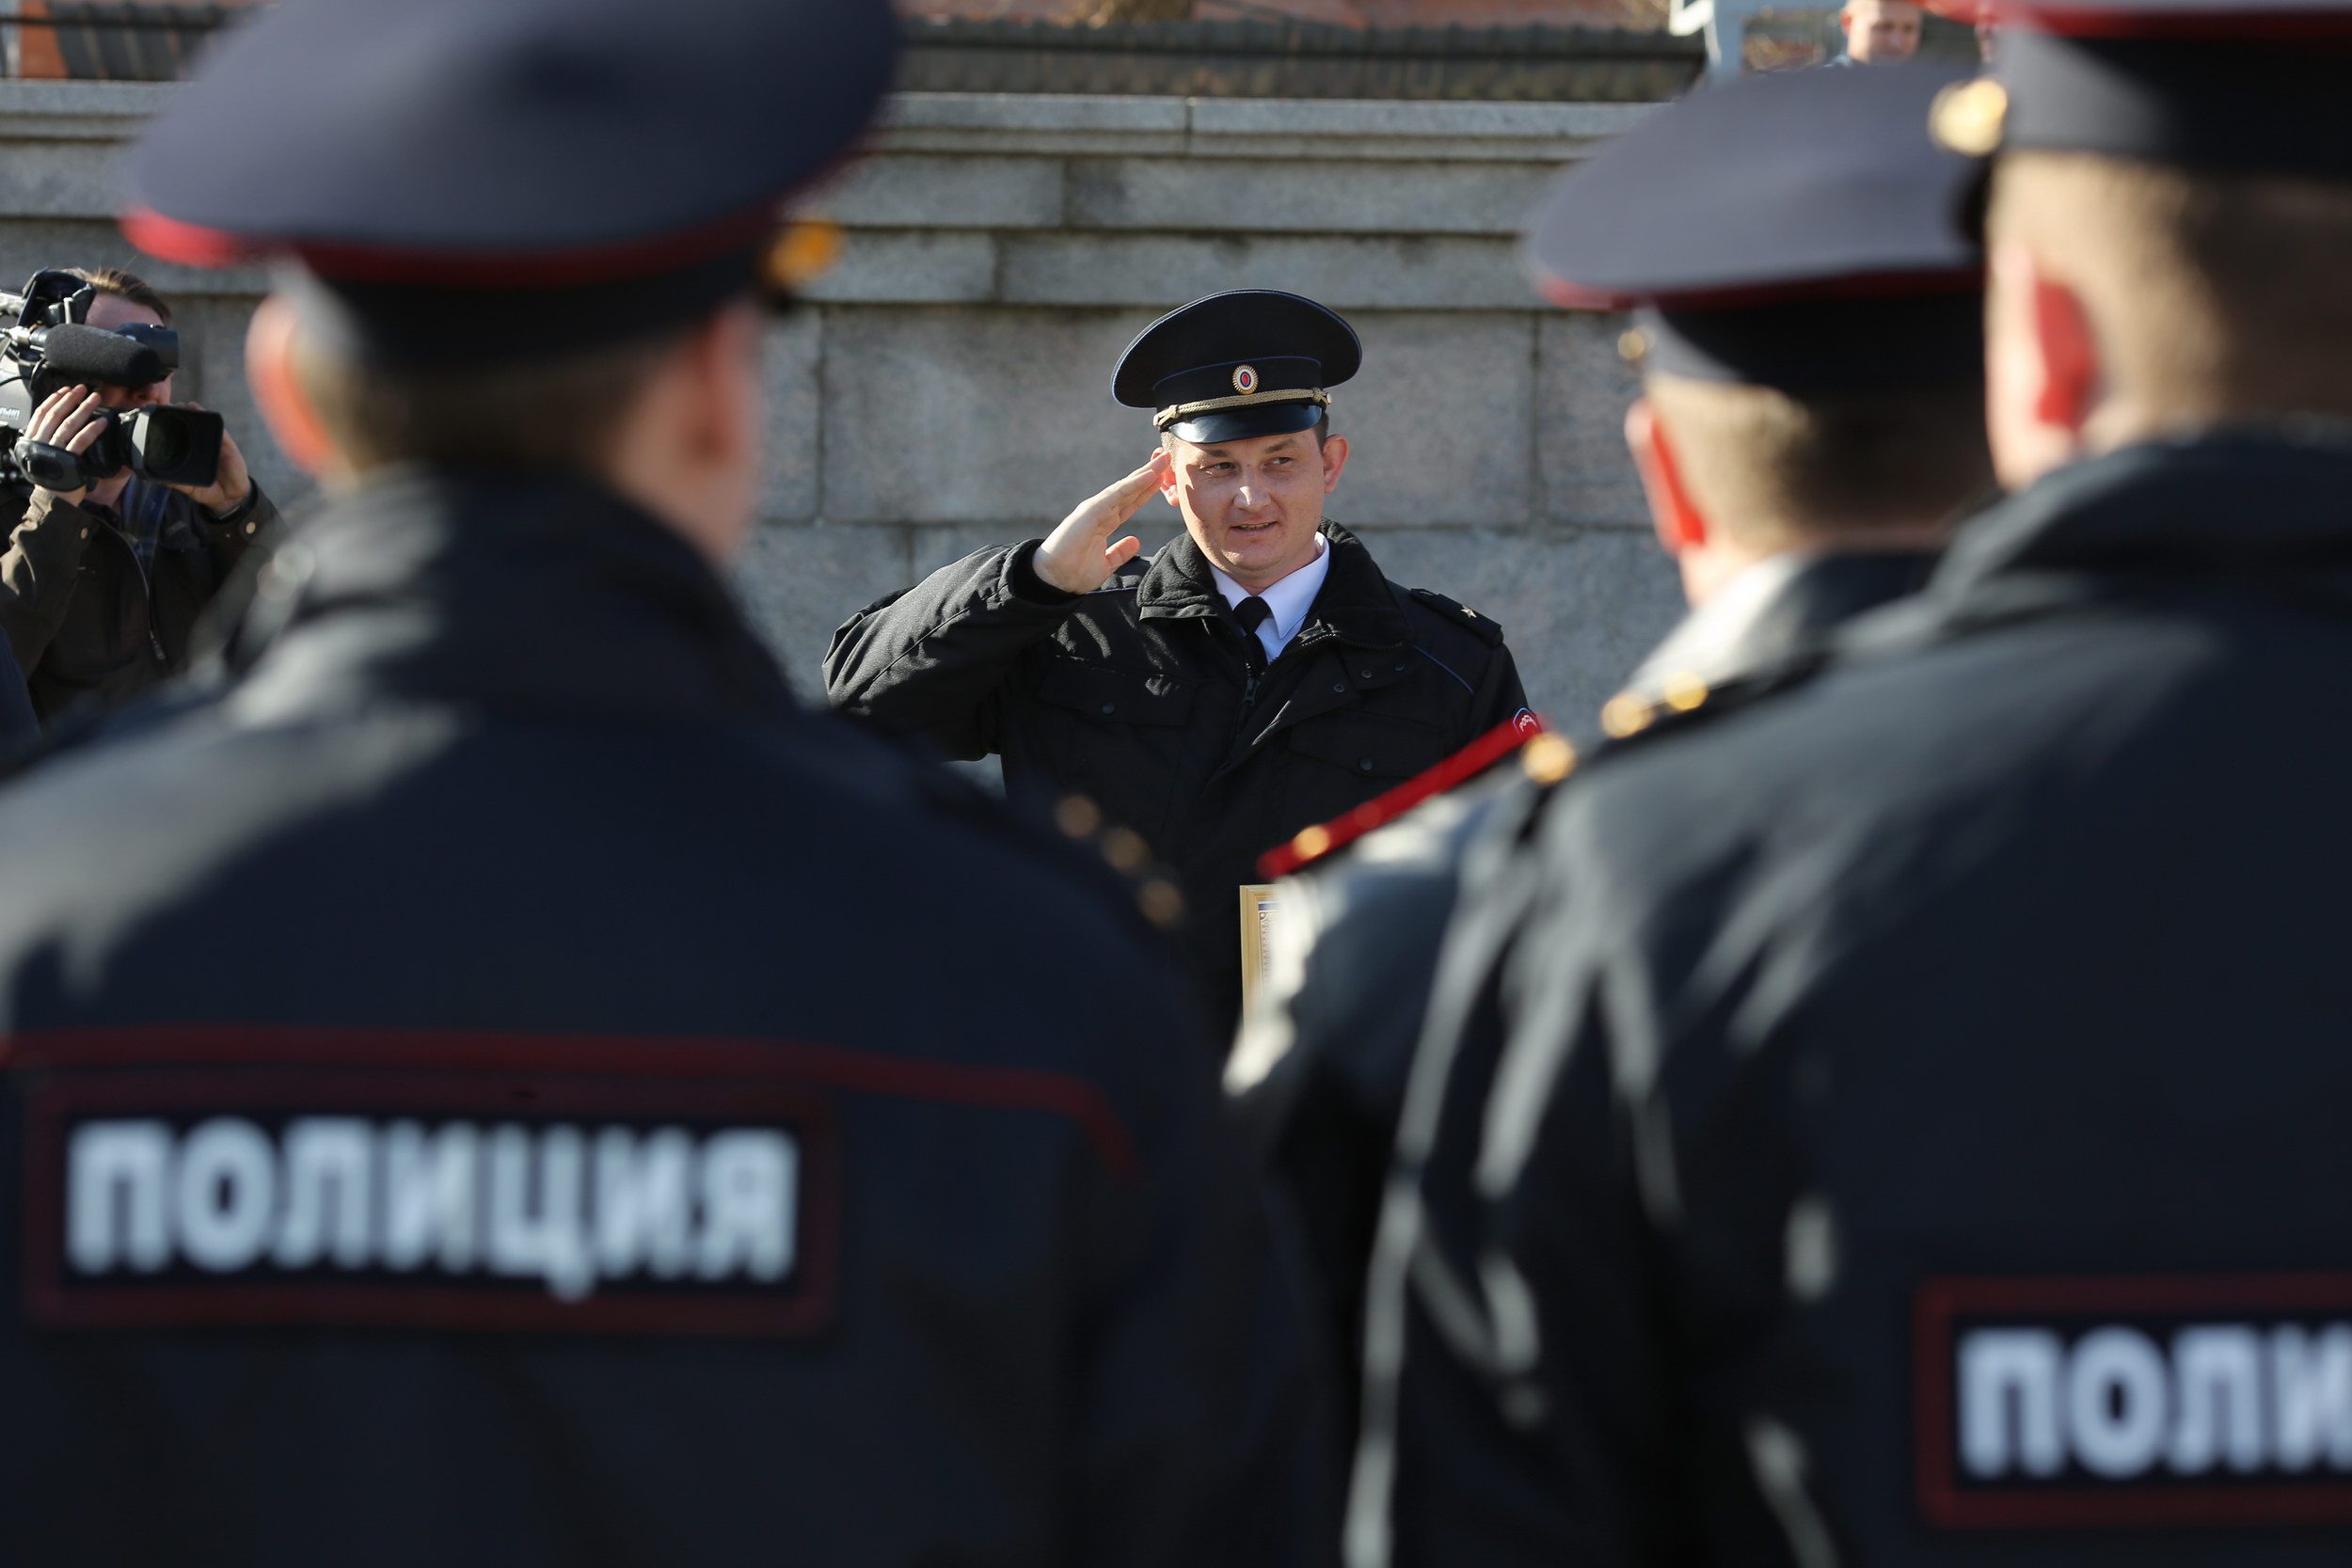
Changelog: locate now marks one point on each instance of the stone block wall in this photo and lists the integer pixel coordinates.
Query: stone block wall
(948, 386)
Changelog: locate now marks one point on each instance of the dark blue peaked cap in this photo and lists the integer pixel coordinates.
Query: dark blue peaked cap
(2256, 86)
(1244, 363)
(1798, 230)
(477, 180)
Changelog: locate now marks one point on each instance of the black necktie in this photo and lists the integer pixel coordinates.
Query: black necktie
(1252, 613)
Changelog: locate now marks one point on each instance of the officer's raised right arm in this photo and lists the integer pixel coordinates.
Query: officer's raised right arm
(933, 660)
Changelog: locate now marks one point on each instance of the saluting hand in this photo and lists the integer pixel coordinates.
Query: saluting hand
(1077, 557)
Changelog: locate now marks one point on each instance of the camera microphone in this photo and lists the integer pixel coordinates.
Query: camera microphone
(47, 350)
(89, 357)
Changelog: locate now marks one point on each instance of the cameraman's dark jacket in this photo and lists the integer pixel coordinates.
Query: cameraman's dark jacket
(81, 617)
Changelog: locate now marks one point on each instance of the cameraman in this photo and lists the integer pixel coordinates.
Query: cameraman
(100, 587)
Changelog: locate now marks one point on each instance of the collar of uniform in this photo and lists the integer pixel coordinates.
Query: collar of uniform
(1354, 601)
(539, 592)
(1776, 611)
(1289, 599)
(2244, 500)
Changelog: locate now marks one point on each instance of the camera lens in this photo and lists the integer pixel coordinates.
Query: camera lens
(178, 446)
(166, 443)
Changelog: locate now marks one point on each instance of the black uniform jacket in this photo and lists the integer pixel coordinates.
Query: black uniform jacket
(502, 1084)
(1319, 1073)
(1919, 1137)
(1138, 697)
(85, 620)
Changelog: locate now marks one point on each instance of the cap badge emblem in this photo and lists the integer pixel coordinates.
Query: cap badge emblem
(1245, 379)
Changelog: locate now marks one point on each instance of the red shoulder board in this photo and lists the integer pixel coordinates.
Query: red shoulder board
(1313, 844)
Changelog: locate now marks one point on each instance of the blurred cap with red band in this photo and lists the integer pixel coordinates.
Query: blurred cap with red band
(472, 181)
(2255, 88)
(1796, 230)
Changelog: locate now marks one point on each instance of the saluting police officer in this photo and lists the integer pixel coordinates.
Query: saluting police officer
(1811, 430)
(1918, 1136)
(1258, 674)
(463, 1101)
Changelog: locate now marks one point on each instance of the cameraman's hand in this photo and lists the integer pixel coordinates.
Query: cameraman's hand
(1077, 557)
(231, 482)
(74, 419)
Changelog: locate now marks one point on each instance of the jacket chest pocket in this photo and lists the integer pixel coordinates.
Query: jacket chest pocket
(1123, 738)
(1115, 697)
(1374, 747)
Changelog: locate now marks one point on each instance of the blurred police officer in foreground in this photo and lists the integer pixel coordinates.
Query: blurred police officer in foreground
(1919, 1134)
(1810, 429)
(523, 1102)
(1256, 676)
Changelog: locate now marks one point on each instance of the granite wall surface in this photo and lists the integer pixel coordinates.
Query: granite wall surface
(946, 385)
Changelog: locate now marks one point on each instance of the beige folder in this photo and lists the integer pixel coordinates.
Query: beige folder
(1258, 901)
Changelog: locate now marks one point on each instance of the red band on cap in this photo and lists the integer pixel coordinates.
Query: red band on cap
(193, 245)
(1577, 296)
(188, 243)
(2252, 24)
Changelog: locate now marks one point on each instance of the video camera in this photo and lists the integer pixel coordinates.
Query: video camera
(50, 347)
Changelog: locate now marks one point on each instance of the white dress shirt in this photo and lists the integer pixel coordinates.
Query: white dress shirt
(1289, 599)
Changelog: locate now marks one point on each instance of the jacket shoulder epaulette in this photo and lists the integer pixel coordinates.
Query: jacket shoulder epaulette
(1684, 700)
(1456, 613)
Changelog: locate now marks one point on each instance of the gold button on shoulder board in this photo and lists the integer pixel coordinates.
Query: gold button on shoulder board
(1161, 904)
(1625, 714)
(1968, 116)
(1125, 849)
(1548, 759)
(1684, 692)
(1078, 817)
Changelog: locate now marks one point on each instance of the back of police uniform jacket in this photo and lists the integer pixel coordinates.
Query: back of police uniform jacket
(1921, 1136)
(1319, 1073)
(497, 1084)
(1138, 697)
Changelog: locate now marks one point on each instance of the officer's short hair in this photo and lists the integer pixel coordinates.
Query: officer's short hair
(125, 285)
(555, 413)
(2214, 295)
(1776, 471)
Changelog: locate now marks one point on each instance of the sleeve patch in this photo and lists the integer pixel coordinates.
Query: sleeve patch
(206, 1196)
(2135, 1403)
